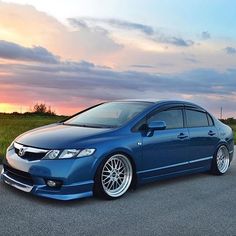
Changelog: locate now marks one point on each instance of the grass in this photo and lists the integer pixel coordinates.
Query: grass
(13, 125)
(234, 129)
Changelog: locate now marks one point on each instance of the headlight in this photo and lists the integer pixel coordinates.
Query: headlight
(86, 152)
(52, 154)
(69, 153)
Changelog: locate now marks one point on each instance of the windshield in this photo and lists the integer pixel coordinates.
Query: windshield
(108, 115)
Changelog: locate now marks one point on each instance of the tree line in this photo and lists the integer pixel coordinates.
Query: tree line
(39, 109)
(229, 121)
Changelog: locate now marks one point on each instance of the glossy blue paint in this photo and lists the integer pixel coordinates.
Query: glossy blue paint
(155, 154)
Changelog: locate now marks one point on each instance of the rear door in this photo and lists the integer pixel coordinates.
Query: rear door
(203, 137)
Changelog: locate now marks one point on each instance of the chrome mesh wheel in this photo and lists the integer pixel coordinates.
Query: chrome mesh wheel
(116, 175)
(222, 159)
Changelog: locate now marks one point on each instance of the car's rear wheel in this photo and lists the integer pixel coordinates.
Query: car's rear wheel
(113, 177)
(221, 160)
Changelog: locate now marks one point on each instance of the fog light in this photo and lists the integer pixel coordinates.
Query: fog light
(53, 183)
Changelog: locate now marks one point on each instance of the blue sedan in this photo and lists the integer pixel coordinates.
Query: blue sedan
(111, 147)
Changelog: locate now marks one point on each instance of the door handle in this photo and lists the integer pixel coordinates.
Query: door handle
(211, 133)
(182, 136)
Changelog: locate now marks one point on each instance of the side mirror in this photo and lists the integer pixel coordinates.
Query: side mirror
(157, 125)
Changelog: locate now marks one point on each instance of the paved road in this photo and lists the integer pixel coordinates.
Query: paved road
(199, 204)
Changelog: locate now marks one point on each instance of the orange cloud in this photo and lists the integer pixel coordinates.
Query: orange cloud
(24, 25)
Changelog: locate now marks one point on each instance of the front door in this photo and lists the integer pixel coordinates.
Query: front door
(165, 151)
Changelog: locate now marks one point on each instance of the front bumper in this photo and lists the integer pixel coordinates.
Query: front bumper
(76, 176)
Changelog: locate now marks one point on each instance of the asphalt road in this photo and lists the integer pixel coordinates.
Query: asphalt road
(199, 204)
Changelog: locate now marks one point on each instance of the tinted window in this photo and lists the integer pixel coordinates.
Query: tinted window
(196, 118)
(111, 114)
(173, 118)
(210, 121)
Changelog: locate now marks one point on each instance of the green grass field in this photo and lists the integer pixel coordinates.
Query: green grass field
(13, 125)
(234, 129)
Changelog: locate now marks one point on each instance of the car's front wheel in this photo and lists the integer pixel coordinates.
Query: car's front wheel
(114, 177)
(221, 160)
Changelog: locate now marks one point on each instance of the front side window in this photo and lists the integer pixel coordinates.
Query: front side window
(109, 115)
(196, 118)
(173, 118)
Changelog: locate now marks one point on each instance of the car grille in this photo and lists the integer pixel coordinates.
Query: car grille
(30, 156)
(29, 153)
(19, 175)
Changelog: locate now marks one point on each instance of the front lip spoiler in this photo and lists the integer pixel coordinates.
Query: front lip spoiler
(14, 183)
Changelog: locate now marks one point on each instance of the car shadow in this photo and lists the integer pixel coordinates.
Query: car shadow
(43, 200)
(182, 179)
(93, 200)
(172, 181)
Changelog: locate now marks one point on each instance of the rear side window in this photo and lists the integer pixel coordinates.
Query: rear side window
(173, 118)
(196, 118)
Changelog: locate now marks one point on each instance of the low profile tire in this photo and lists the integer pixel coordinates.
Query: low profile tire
(113, 177)
(221, 161)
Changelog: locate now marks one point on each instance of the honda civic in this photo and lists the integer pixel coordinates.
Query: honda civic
(111, 147)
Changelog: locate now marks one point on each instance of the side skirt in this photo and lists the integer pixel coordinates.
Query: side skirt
(173, 174)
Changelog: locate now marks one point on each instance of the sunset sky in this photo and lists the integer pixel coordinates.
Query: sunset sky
(71, 54)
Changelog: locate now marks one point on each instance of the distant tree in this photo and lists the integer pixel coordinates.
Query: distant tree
(50, 112)
(40, 108)
(15, 113)
(43, 109)
(229, 121)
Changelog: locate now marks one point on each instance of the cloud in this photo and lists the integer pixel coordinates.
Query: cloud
(13, 51)
(147, 30)
(205, 35)
(230, 50)
(78, 22)
(101, 43)
(71, 82)
(27, 26)
(177, 41)
(76, 79)
(117, 23)
(142, 66)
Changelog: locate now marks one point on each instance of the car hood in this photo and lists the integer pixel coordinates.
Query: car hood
(59, 136)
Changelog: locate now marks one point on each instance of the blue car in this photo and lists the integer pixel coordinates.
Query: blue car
(111, 147)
